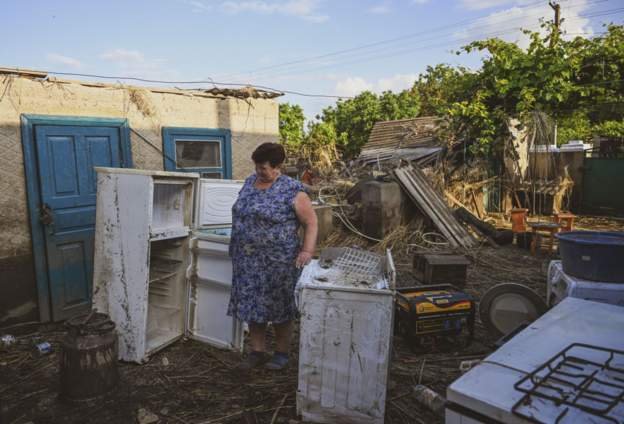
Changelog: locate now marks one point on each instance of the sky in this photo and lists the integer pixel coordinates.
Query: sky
(313, 47)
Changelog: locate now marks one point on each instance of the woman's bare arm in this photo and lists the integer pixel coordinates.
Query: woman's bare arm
(307, 218)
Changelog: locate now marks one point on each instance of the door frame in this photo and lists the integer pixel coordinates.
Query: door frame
(33, 193)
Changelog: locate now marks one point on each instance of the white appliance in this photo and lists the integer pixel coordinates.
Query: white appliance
(561, 285)
(547, 372)
(161, 264)
(346, 301)
(575, 146)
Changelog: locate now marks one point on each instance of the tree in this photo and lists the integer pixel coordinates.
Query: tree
(291, 120)
(578, 82)
(559, 78)
(354, 119)
(440, 86)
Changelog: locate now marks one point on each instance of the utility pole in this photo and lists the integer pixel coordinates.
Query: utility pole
(555, 32)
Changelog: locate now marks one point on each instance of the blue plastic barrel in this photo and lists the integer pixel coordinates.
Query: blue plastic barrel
(593, 255)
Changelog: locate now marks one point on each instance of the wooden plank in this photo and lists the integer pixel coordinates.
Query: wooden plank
(433, 206)
(459, 231)
(427, 201)
(432, 212)
(423, 206)
(486, 230)
(23, 72)
(426, 205)
(478, 207)
(437, 202)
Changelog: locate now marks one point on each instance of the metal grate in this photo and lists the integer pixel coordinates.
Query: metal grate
(582, 383)
(356, 267)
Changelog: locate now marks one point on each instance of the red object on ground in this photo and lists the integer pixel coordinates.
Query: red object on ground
(307, 177)
(566, 220)
(518, 220)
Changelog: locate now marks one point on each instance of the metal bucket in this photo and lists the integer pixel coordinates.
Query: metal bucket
(88, 358)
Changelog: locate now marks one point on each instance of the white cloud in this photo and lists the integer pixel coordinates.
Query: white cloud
(397, 82)
(304, 9)
(265, 60)
(507, 24)
(380, 9)
(123, 56)
(133, 63)
(482, 4)
(199, 6)
(64, 60)
(420, 1)
(352, 86)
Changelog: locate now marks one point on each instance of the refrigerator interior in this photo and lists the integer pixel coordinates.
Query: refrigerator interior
(172, 208)
(166, 293)
(171, 218)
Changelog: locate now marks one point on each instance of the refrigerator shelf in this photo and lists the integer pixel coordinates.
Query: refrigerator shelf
(157, 234)
(158, 276)
(157, 339)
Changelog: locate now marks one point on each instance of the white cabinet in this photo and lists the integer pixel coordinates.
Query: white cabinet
(161, 266)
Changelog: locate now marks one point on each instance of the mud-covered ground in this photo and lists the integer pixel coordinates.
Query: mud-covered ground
(190, 382)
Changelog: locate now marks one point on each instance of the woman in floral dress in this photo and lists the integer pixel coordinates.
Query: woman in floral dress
(267, 255)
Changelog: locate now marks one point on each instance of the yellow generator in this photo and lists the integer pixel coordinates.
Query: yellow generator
(431, 314)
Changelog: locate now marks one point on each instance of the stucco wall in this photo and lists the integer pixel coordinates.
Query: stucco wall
(251, 122)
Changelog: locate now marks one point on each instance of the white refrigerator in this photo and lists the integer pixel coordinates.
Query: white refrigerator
(161, 264)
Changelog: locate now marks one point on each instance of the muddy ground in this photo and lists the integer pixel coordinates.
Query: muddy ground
(190, 382)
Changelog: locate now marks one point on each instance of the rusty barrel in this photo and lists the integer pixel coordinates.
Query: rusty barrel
(89, 358)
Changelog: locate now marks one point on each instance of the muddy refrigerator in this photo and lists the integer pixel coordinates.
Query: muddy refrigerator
(161, 264)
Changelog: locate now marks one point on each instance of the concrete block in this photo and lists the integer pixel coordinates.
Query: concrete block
(381, 208)
(325, 221)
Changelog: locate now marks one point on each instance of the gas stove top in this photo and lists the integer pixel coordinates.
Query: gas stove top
(582, 383)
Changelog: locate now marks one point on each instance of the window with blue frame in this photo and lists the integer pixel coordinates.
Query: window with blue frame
(203, 150)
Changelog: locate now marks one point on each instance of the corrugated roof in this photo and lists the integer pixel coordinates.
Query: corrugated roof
(403, 133)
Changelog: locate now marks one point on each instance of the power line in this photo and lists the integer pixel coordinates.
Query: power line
(372, 54)
(365, 46)
(397, 39)
(206, 81)
(298, 93)
(400, 52)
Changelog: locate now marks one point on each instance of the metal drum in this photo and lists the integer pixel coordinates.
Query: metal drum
(89, 358)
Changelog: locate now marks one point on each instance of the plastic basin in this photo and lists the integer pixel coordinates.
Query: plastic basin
(593, 255)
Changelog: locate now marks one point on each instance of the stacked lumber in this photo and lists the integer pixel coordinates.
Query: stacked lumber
(424, 196)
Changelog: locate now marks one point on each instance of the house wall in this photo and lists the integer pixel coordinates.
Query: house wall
(251, 122)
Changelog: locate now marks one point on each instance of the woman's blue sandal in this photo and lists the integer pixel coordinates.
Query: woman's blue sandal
(278, 361)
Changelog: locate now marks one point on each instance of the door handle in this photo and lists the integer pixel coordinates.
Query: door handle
(46, 215)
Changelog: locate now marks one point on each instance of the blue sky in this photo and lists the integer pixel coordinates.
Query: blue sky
(339, 47)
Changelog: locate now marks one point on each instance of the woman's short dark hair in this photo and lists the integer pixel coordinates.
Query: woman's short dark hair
(273, 153)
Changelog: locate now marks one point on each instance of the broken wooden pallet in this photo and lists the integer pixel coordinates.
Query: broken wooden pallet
(415, 183)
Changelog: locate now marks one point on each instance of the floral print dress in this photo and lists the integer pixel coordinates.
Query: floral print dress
(264, 246)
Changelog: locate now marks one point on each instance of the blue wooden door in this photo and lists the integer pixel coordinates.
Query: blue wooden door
(66, 156)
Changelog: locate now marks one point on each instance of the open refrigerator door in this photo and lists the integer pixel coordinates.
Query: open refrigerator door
(210, 273)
